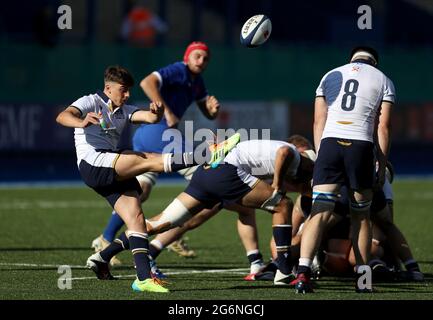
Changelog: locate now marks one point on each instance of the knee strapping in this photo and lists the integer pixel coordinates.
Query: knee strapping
(323, 201)
(175, 215)
(272, 201)
(360, 206)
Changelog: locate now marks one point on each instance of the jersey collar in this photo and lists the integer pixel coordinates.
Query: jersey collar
(107, 101)
(366, 61)
(103, 96)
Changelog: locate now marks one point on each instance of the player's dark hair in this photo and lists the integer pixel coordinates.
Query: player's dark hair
(300, 141)
(370, 50)
(120, 75)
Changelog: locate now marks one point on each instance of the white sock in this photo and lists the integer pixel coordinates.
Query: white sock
(252, 252)
(157, 244)
(306, 262)
(166, 157)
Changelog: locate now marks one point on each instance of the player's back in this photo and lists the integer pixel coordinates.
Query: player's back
(354, 93)
(257, 157)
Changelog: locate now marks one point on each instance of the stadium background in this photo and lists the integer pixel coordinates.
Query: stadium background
(44, 69)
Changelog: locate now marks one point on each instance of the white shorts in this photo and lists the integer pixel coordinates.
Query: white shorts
(101, 159)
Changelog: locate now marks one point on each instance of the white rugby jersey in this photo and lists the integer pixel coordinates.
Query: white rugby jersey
(95, 136)
(257, 157)
(354, 93)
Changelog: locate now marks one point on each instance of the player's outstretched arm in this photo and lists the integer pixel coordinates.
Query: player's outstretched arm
(320, 115)
(209, 107)
(71, 117)
(282, 161)
(153, 115)
(151, 87)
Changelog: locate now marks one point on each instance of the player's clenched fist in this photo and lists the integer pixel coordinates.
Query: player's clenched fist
(212, 104)
(91, 118)
(157, 108)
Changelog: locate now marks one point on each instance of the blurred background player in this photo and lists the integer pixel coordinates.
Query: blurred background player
(177, 86)
(351, 123)
(141, 26)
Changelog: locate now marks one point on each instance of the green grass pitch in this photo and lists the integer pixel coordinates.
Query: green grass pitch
(42, 228)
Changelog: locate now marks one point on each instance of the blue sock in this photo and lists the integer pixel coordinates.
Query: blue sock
(254, 256)
(283, 237)
(154, 251)
(118, 245)
(140, 248)
(112, 227)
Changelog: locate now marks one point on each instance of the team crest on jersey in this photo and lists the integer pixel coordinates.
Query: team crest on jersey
(119, 115)
(356, 68)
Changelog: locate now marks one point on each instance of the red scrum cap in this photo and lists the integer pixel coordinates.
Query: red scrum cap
(194, 46)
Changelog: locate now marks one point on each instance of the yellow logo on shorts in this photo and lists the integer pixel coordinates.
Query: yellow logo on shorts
(344, 143)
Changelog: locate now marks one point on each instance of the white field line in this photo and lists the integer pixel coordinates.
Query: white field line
(40, 265)
(77, 184)
(169, 273)
(23, 204)
(232, 271)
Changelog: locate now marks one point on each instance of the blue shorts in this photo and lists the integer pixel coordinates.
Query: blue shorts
(102, 179)
(226, 184)
(149, 138)
(345, 162)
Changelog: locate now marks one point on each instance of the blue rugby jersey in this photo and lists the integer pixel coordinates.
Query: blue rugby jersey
(179, 91)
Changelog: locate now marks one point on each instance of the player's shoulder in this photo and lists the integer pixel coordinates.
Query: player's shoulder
(333, 74)
(89, 99)
(175, 66)
(92, 97)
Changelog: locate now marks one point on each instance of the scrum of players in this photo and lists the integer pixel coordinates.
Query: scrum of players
(339, 220)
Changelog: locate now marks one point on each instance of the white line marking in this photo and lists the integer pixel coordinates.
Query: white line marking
(22, 204)
(40, 265)
(167, 272)
(170, 273)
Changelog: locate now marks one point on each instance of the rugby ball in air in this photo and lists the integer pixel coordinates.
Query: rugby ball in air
(255, 31)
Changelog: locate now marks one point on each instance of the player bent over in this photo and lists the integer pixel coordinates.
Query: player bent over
(238, 180)
(99, 120)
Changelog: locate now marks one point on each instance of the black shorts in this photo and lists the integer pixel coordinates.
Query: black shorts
(103, 181)
(222, 184)
(348, 162)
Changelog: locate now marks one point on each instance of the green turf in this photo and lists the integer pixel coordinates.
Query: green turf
(54, 226)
